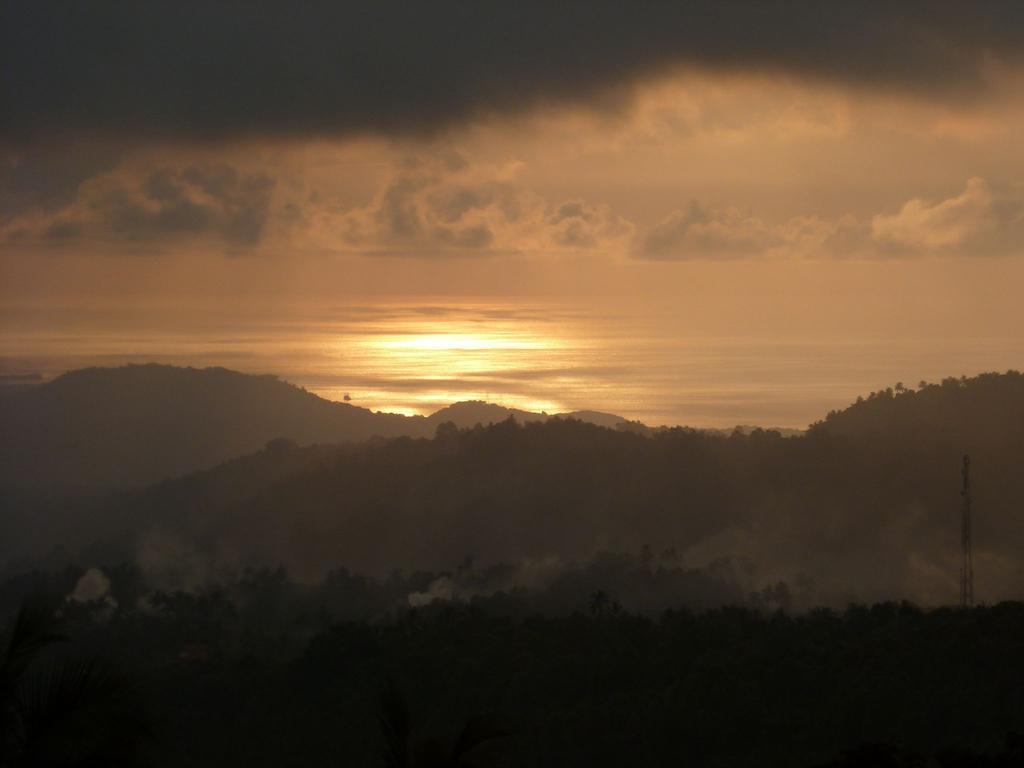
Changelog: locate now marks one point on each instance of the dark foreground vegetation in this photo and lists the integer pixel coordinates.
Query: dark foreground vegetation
(262, 672)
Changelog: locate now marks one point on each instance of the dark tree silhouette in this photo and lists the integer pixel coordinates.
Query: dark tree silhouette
(399, 750)
(62, 711)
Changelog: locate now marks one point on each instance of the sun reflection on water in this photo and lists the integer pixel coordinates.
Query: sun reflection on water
(414, 365)
(457, 342)
(415, 358)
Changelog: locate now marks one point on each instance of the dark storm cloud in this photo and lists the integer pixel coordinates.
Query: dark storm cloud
(208, 70)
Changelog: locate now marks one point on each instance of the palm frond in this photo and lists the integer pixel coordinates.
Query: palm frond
(79, 711)
(34, 629)
(396, 727)
(475, 733)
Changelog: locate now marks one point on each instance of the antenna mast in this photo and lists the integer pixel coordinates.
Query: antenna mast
(967, 563)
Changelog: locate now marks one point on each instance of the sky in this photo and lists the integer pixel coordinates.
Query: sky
(692, 212)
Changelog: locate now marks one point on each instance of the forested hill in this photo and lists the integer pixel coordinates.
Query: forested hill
(936, 424)
(985, 412)
(139, 424)
(868, 513)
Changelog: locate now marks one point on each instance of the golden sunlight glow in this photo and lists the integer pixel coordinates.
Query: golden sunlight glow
(414, 362)
(452, 342)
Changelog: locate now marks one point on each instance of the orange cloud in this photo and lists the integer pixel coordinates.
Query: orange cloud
(978, 221)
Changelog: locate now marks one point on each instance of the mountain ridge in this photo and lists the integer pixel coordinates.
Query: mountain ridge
(137, 424)
(868, 496)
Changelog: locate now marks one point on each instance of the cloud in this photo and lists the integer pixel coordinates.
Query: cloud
(195, 200)
(196, 70)
(443, 206)
(575, 224)
(439, 206)
(980, 221)
(699, 232)
(450, 207)
(92, 585)
(48, 178)
(164, 205)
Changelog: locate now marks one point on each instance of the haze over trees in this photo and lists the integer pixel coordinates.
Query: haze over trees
(864, 506)
(554, 592)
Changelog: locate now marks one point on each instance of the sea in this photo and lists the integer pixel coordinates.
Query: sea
(414, 357)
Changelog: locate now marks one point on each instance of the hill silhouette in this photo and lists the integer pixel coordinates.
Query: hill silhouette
(965, 411)
(139, 424)
(864, 506)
